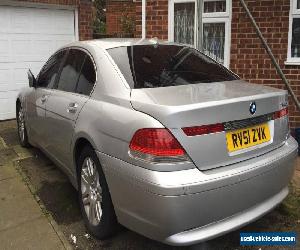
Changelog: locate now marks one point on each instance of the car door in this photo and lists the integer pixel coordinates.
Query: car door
(65, 103)
(36, 104)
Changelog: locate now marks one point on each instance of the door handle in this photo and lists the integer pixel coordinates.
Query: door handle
(44, 98)
(72, 108)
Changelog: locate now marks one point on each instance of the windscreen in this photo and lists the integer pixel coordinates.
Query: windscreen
(153, 66)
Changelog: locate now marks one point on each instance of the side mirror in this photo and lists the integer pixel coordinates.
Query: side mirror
(31, 79)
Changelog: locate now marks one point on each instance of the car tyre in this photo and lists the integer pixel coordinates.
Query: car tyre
(22, 131)
(94, 197)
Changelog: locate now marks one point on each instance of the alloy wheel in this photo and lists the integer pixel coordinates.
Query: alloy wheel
(91, 191)
(21, 124)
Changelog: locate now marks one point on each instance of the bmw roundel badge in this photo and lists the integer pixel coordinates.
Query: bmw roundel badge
(252, 108)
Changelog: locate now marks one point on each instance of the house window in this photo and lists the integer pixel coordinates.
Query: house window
(214, 6)
(294, 34)
(215, 21)
(184, 22)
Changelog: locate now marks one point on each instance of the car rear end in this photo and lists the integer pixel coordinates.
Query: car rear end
(222, 157)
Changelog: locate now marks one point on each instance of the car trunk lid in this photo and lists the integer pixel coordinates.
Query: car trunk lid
(225, 103)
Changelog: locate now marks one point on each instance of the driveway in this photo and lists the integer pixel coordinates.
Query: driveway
(59, 201)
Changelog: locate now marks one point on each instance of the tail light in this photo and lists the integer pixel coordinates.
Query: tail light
(280, 113)
(156, 145)
(203, 130)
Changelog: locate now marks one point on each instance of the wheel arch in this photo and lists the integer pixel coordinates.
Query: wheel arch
(18, 103)
(80, 143)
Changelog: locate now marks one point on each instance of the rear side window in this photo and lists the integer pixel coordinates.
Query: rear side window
(47, 76)
(87, 77)
(70, 70)
(152, 66)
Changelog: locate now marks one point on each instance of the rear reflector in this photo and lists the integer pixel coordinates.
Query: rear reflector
(157, 142)
(280, 113)
(203, 130)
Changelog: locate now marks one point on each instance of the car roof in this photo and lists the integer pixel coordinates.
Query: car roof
(109, 43)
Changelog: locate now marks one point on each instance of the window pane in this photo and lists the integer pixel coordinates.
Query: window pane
(87, 78)
(184, 21)
(47, 76)
(70, 71)
(152, 66)
(214, 6)
(214, 40)
(298, 4)
(296, 38)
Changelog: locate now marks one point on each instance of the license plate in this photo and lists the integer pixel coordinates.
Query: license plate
(247, 137)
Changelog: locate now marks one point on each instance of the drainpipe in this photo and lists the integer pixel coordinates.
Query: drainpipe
(270, 53)
(143, 19)
(199, 25)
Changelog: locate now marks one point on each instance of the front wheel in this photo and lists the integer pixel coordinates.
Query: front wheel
(94, 197)
(22, 132)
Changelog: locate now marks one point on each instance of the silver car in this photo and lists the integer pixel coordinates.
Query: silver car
(159, 138)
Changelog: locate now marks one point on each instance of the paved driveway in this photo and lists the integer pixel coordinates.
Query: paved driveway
(59, 199)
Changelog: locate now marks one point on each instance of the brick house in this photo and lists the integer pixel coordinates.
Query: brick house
(30, 31)
(227, 34)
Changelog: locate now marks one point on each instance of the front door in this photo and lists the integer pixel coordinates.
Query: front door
(37, 100)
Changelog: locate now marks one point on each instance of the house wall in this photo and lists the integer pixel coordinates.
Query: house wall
(115, 10)
(85, 18)
(249, 59)
(247, 56)
(156, 19)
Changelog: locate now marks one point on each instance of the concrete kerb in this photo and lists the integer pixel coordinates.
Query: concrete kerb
(32, 190)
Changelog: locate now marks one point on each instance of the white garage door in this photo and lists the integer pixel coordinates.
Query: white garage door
(28, 36)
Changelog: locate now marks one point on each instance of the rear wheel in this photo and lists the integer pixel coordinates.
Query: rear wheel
(22, 132)
(94, 197)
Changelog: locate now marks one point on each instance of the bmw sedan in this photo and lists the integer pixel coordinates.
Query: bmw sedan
(159, 137)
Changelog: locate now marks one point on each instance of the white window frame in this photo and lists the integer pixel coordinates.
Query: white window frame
(171, 19)
(294, 13)
(216, 17)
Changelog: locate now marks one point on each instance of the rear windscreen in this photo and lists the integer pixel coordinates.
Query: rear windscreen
(153, 66)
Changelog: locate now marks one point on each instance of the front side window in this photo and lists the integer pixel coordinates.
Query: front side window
(152, 66)
(47, 76)
(70, 70)
(294, 33)
(215, 21)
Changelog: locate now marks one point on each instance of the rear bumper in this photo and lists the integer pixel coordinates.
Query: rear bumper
(228, 224)
(189, 206)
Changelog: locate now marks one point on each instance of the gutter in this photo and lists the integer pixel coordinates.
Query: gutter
(143, 19)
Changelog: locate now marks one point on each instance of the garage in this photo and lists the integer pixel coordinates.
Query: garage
(28, 36)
